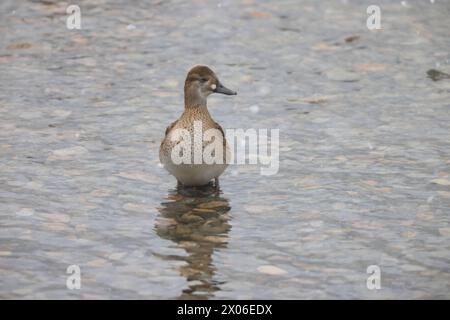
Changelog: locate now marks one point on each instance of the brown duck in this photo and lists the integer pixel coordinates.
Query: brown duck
(200, 82)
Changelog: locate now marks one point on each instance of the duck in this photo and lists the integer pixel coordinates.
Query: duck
(200, 82)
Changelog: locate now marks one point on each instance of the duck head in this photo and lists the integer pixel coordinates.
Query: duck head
(200, 82)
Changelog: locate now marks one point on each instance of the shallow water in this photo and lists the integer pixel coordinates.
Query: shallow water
(364, 150)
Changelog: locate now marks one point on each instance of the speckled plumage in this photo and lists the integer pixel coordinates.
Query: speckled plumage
(200, 82)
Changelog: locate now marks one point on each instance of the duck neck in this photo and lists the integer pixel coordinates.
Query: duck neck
(193, 98)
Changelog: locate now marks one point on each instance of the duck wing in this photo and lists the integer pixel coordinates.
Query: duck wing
(218, 127)
(170, 127)
(163, 147)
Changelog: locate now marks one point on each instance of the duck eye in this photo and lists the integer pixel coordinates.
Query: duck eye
(203, 79)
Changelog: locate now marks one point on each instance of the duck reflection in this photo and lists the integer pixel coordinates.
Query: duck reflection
(197, 221)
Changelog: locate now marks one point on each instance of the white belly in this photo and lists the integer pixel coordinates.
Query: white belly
(195, 174)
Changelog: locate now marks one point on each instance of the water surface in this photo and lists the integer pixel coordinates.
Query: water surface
(364, 150)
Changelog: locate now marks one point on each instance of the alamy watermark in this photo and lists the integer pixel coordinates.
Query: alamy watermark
(373, 22)
(374, 280)
(73, 21)
(208, 147)
(73, 281)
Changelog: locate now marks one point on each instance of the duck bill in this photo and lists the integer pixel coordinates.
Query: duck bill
(220, 88)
